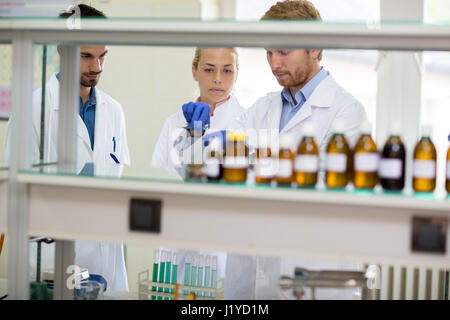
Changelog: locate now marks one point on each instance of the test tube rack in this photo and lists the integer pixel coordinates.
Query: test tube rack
(145, 291)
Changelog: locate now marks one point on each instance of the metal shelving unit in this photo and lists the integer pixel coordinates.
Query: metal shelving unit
(273, 221)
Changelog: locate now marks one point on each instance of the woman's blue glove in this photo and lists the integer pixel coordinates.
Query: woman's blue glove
(197, 111)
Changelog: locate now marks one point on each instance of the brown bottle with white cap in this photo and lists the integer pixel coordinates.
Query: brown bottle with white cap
(365, 160)
(393, 161)
(424, 163)
(307, 158)
(286, 156)
(264, 163)
(336, 163)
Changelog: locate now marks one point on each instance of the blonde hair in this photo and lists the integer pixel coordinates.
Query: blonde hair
(292, 10)
(198, 53)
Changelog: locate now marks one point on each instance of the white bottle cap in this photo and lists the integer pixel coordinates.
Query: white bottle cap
(395, 128)
(286, 141)
(309, 129)
(338, 126)
(263, 139)
(426, 131)
(366, 128)
(215, 144)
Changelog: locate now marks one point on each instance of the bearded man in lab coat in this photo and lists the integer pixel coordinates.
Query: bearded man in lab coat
(101, 148)
(309, 94)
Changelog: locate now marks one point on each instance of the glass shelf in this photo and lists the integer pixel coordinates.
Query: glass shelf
(155, 179)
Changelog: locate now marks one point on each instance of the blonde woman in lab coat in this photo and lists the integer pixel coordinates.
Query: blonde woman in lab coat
(215, 70)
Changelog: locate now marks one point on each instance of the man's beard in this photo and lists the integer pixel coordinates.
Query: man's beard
(89, 83)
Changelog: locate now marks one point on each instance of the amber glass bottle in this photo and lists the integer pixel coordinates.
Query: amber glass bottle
(366, 160)
(264, 162)
(307, 158)
(286, 156)
(447, 181)
(213, 160)
(424, 165)
(393, 162)
(235, 158)
(336, 165)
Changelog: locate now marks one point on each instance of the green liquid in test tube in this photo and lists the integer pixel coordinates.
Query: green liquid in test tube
(168, 265)
(174, 270)
(208, 273)
(162, 266)
(187, 272)
(200, 274)
(213, 274)
(155, 271)
(194, 272)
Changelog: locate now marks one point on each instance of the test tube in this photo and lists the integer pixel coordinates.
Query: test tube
(201, 263)
(174, 270)
(162, 265)
(187, 272)
(208, 272)
(155, 271)
(213, 274)
(168, 265)
(194, 272)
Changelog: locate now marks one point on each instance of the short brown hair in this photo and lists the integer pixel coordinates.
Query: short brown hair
(85, 11)
(292, 10)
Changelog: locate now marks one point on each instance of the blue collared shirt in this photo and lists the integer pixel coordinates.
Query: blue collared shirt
(87, 113)
(289, 108)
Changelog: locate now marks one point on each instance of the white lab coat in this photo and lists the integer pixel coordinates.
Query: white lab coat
(329, 101)
(167, 155)
(99, 258)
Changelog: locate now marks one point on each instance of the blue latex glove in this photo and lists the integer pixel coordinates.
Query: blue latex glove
(197, 111)
(222, 134)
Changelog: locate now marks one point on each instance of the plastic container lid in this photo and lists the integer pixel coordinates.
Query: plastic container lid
(309, 129)
(426, 131)
(366, 128)
(395, 129)
(235, 135)
(338, 126)
(286, 141)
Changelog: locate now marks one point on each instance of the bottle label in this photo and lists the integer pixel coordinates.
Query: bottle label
(336, 162)
(307, 163)
(284, 168)
(367, 162)
(235, 162)
(391, 168)
(448, 170)
(264, 168)
(212, 167)
(425, 169)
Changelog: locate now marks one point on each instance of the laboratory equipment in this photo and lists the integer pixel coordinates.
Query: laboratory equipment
(168, 266)
(264, 167)
(393, 162)
(336, 162)
(194, 271)
(307, 158)
(155, 271)
(174, 270)
(447, 181)
(213, 160)
(236, 158)
(286, 156)
(201, 263)
(366, 160)
(424, 165)
(304, 278)
(213, 274)
(162, 266)
(187, 271)
(208, 271)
